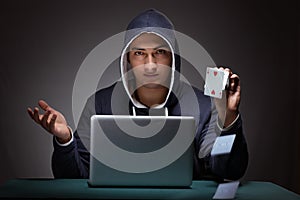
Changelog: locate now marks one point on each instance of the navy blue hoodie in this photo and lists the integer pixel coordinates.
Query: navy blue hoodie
(72, 161)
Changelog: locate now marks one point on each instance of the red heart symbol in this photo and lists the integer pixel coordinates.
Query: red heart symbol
(213, 92)
(215, 73)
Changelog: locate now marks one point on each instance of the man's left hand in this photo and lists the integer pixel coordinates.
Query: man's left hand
(232, 98)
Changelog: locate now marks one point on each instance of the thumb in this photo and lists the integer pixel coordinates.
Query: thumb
(44, 105)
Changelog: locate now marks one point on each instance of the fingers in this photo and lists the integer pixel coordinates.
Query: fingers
(48, 121)
(45, 119)
(234, 83)
(52, 122)
(35, 113)
(233, 80)
(30, 112)
(44, 105)
(36, 116)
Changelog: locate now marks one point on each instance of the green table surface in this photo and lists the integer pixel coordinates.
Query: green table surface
(79, 189)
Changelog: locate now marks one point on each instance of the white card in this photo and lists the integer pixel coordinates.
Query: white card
(226, 190)
(223, 145)
(215, 82)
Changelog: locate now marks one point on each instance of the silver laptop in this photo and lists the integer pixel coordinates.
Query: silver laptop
(141, 151)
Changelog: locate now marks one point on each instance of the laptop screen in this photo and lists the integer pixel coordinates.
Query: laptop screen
(141, 150)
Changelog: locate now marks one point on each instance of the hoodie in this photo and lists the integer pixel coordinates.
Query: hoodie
(72, 160)
(155, 23)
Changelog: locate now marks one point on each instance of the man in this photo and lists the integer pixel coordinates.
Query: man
(150, 69)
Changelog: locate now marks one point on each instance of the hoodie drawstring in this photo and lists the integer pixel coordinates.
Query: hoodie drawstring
(166, 111)
(133, 111)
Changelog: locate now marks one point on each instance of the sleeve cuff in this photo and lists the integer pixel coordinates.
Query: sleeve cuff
(71, 140)
(230, 125)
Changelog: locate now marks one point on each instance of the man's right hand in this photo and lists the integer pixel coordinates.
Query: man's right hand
(52, 121)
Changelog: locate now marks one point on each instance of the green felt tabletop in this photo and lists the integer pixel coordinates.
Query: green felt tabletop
(79, 189)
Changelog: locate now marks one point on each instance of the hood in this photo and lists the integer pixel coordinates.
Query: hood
(149, 21)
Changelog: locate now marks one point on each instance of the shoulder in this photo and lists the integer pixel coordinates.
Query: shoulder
(115, 90)
(113, 96)
(105, 92)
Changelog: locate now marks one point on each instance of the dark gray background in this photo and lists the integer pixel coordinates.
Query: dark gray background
(43, 44)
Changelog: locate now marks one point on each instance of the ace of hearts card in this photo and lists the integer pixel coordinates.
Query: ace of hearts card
(215, 82)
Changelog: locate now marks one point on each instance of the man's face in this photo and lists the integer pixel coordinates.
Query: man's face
(150, 58)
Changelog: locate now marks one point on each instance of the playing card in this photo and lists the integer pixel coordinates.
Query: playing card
(226, 190)
(215, 82)
(223, 145)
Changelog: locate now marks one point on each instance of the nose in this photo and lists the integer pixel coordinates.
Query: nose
(150, 64)
(150, 68)
(150, 58)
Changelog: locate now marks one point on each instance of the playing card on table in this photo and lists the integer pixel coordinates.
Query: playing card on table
(215, 82)
(223, 145)
(226, 190)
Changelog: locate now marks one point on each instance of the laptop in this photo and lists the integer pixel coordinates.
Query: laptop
(141, 151)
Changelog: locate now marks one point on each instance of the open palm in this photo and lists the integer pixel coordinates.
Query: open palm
(51, 120)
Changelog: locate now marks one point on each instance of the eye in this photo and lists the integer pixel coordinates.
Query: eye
(161, 51)
(138, 53)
